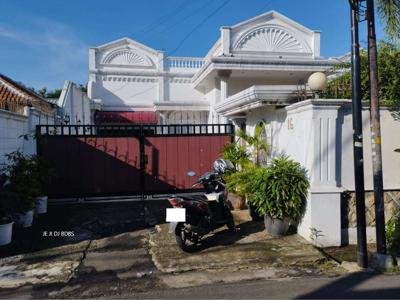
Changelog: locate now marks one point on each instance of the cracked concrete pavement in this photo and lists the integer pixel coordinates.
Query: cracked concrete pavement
(226, 256)
(92, 268)
(149, 259)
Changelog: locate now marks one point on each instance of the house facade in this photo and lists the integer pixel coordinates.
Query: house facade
(257, 71)
(267, 58)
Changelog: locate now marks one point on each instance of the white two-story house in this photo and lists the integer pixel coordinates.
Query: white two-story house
(263, 59)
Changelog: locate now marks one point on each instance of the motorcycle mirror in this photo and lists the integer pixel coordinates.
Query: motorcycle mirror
(191, 173)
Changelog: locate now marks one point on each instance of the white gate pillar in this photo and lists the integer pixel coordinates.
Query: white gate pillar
(325, 192)
(321, 223)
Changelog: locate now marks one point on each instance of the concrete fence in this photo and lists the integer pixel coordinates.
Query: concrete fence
(13, 128)
(318, 134)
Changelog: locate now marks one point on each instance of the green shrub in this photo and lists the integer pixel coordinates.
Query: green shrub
(236, 153)
(22, 180)
(8, 203)
(241, 181)
(42, 172)
(280, 189)
(393, 235)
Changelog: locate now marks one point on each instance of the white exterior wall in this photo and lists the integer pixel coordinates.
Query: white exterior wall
(181, 90)
(121, 93)
(13, 126)
(125, 75)
(292, 134)
(75, 103)
(390, 130)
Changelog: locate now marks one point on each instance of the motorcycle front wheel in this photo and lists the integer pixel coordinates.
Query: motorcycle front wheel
(185, 239)
(230, 223)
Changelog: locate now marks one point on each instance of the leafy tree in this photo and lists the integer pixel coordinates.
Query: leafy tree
(83, 88)
(388, 71)
(42, 92)
(54, 94)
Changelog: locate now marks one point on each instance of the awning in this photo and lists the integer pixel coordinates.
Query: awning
(257, 96)
(126, 117)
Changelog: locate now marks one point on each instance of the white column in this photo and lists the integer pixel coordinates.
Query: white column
(224, 78)
(161, 88)
(224, 89)
(29, 145)
(161, 78)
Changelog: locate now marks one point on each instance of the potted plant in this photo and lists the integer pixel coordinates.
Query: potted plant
(7, 208)
(42, 173)
(238, 155)
(22, 182)
(260, 151)
(278, 192)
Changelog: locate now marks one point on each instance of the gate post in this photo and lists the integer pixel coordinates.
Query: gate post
(142, 161)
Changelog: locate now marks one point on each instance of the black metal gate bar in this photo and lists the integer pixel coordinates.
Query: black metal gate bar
(119, 130)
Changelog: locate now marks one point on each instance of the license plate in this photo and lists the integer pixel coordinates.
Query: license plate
(212, 197)
(176, 215)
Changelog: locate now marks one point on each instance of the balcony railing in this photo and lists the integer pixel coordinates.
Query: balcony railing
(185, 62)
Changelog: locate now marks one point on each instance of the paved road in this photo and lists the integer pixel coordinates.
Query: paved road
(358, 286)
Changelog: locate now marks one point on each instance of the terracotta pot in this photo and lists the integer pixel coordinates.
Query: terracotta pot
(41, 205)
(5, 233)
(238, 203)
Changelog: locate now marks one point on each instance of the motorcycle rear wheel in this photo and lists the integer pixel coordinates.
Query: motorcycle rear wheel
(184, 240)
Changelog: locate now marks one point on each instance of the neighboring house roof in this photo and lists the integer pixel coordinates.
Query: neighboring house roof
(51, 100)
(14, 97)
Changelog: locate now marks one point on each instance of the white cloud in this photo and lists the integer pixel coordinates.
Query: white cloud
(53, 46)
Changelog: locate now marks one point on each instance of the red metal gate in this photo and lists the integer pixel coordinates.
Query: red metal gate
(116, 160)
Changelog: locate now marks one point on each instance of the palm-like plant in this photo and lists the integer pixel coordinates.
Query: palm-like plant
(389, 12)
(256, 141)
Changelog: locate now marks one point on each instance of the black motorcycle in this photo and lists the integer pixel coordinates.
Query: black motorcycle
(204, 213)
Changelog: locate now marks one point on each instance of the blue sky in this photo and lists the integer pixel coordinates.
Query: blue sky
(45, 42)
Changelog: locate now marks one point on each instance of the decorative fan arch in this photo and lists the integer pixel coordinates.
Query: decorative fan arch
(270, 39)
(126, 56)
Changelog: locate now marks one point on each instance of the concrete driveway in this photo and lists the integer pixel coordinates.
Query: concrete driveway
(226, 256)
(93, 268)
(135, 261)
